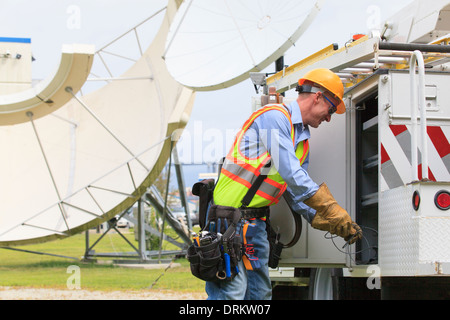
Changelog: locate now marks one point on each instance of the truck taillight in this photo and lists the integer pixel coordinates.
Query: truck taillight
(416, 200)
(442, 200)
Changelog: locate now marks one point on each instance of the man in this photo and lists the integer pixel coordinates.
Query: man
(278, 134)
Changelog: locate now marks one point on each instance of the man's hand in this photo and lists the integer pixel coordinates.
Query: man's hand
(332, 217)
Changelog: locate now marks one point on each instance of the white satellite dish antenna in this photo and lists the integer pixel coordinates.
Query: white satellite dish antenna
(214, 44)
(96, 155)
(50, 94)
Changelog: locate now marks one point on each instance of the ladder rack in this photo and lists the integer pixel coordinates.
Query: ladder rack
(361, 58)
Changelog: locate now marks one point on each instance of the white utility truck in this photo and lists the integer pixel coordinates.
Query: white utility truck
(386, 161)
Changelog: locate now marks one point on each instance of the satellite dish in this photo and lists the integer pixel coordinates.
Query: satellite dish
(50, 94)
(214, 44)
(96, 155)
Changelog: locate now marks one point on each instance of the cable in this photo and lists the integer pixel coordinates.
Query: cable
(347, 244)
(163, 273)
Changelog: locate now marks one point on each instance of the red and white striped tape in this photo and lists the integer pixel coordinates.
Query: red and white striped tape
(396, 155)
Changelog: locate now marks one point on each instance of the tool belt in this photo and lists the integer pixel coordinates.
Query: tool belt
(217, 249)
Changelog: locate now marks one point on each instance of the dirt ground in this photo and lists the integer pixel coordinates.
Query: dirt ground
(18, 293)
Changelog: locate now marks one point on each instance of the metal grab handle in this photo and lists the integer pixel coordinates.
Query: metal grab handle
(418, 57)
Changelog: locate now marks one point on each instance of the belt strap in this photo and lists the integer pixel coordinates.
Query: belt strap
(255, 186)
(251, 213)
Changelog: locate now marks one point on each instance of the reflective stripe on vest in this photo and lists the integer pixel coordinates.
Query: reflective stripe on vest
(239, 172)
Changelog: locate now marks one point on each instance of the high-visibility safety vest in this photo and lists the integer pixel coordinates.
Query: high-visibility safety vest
(239, 172)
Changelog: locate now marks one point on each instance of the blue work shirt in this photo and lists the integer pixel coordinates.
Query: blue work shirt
(271, 131)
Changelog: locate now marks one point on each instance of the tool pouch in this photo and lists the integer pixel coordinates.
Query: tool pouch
(215, 253)
(205, 256)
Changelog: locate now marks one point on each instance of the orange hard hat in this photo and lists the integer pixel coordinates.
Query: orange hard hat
(328, 80)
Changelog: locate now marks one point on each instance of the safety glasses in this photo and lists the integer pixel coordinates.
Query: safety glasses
(311, 89)
(333, 107)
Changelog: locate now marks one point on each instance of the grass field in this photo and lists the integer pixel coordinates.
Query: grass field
(42, 271)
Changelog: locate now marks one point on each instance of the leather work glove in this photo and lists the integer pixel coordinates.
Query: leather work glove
(332, 217)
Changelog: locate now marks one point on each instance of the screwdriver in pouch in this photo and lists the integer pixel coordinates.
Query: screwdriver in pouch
(227, 265)
(226, 257)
